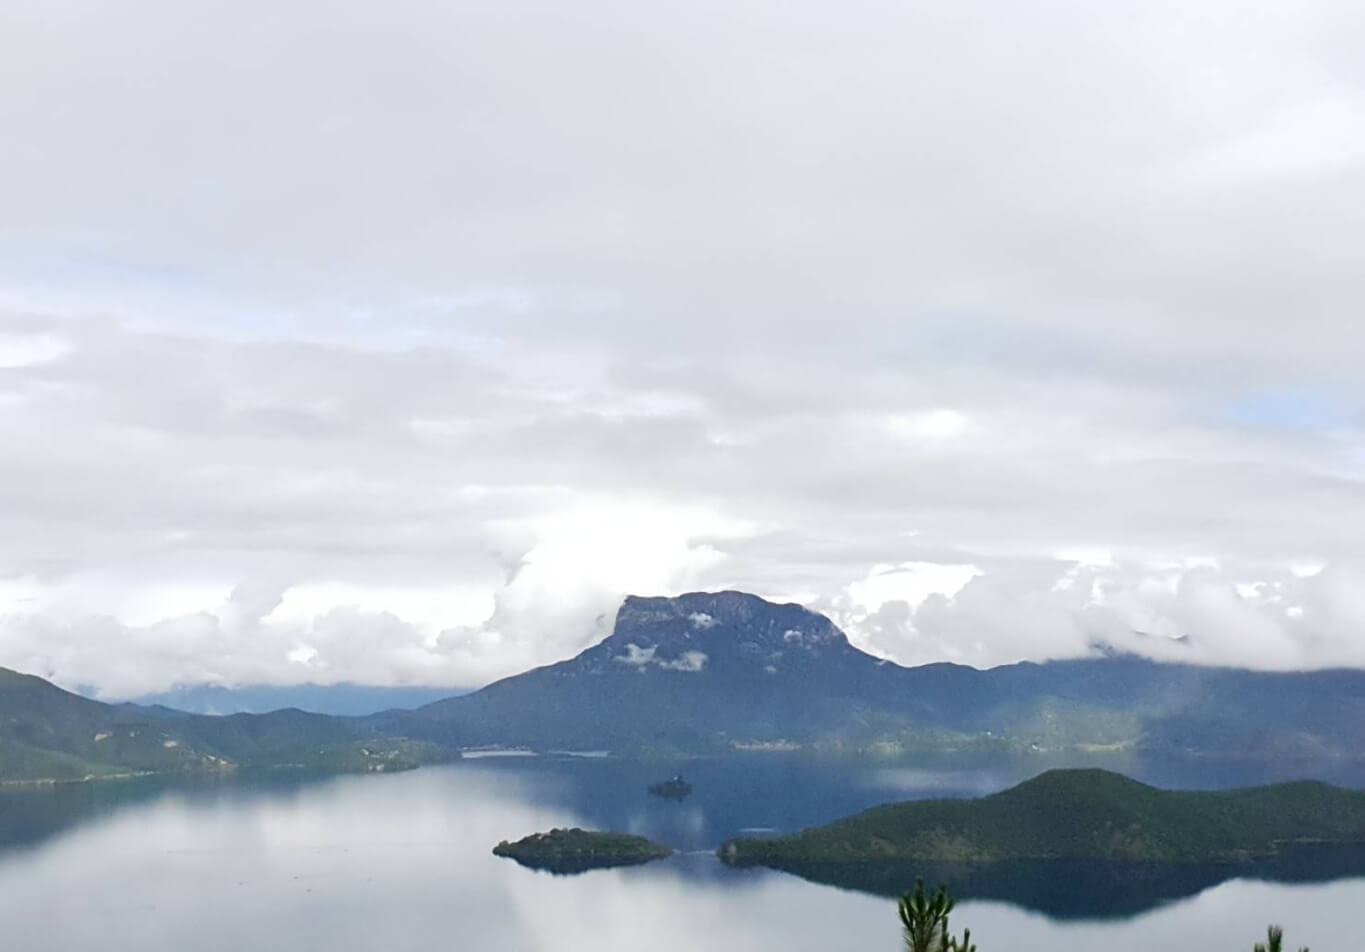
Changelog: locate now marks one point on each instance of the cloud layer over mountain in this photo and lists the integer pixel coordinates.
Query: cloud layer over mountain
(394, 344)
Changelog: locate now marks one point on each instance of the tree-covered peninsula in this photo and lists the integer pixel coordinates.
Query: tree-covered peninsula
(1076, 815)
(577, 851)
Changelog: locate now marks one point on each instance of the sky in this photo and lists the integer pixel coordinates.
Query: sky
(395, 343)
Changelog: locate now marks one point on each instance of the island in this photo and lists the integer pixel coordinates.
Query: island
(577, 851)
(675, 788)
(1073, 815)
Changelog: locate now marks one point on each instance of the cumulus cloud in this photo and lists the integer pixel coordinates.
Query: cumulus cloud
(1195, 614)
(691, 661)
(400, 350)
(637, 657)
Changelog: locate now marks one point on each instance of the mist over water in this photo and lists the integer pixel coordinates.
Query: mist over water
(402, 863)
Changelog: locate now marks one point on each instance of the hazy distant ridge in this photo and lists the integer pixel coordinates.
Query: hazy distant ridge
(709, 673)
(346, 700)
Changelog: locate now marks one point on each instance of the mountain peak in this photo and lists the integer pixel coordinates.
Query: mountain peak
(724, 607)
(710, 671)
(1062, 782)
(697, 630)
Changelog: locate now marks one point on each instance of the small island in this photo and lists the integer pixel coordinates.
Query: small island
(675, 788)
(577, 851)
(1075, 815)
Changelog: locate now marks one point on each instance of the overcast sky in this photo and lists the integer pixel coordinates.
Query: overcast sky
(394, 343)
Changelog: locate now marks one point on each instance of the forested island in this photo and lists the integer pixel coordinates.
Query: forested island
(675, 788)
(577, 851)
(1092, 815)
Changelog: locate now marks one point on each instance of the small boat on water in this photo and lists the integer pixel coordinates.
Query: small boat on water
(675, 788)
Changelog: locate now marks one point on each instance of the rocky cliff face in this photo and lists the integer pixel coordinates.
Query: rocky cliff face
(702, 672)
(727, 633)
(708, 672)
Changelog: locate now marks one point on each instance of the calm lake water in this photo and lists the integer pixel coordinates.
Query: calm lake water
(402, 862)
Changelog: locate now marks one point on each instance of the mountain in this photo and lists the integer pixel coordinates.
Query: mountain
(345, 700)
(708, 673)
(50, 734)
(1078, 815)
(700, 672)
(713, 672)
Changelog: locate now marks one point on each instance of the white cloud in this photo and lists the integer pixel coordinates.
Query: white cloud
(26, 350)
(690, 661)
(1325, 137)
(1196, 614)
(637, 657)
(940, 424)
(409, 373)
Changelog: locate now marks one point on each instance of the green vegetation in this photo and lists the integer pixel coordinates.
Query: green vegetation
(20, 763)
(781, 678)
(576, 851)
(1077, 815)
(48, 735)
(675, 788)
(1274, 941)
(775, 678)
(925, 920)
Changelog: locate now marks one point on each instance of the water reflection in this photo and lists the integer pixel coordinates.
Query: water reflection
(1065, 889)
(403, 862)
(31, 815)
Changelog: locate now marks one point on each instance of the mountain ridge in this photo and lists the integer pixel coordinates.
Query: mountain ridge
(708, 672)
(342, 700)
(48, 734)
(717, 672)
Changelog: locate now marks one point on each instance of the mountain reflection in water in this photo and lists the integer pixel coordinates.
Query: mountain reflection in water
(403, 862)
(1073, 889)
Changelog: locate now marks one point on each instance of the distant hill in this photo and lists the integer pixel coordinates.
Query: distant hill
(50, 734)
(1077, 815)
(345, 700)
(712, 673)
(716, 672)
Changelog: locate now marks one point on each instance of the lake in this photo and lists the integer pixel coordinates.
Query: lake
(402, 862)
